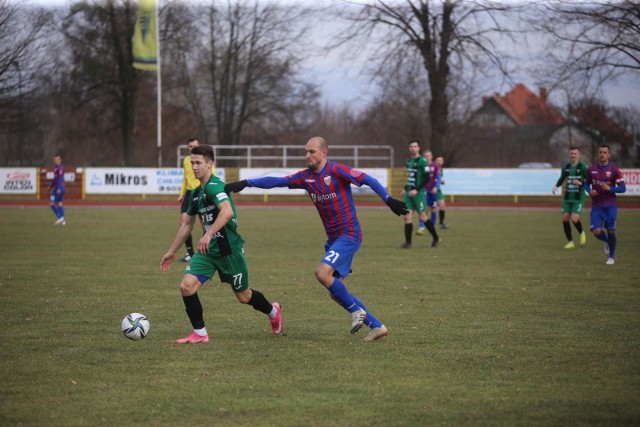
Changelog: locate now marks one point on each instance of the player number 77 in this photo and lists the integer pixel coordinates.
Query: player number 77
(237, 279)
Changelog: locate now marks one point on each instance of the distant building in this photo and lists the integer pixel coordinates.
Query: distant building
(520, 107)
(521, 127)
(510, 130)
(588, 127)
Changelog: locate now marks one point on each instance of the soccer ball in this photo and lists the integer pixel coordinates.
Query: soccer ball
(135, 326)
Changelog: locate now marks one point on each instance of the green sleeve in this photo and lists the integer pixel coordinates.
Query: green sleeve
(215, 192)
(563, 175)
(423, 173)
(192, 209)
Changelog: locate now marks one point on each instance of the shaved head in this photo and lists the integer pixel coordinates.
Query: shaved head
(322, 144)
(317, 150)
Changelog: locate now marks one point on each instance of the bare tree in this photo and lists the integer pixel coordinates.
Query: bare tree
(237, 68)
(591, 42)
(23, 30)
(444, 35)
(104, 82)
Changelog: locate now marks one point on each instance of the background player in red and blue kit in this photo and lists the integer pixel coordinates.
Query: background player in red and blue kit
(329, 186)
(431, 188)
(603, 181)
(57, 191)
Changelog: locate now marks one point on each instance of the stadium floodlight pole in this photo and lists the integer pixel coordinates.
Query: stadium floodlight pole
(159, 85)
(146, 54)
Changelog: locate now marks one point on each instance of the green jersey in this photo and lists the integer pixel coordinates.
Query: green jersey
(417, 173)
(573, 192)
(204, 202)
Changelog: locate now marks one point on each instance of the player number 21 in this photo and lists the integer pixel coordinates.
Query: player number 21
(332, 257)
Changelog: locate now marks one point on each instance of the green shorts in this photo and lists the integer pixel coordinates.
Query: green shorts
(572, 207)
(440, 195)
(417, 203)
(232, 269)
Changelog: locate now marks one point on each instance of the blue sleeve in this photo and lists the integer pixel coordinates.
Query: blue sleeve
(438, 180)
(268, 182)
(620, 188)
(377, 187)
(587, 187)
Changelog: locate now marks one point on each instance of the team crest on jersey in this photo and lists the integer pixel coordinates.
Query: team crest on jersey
(355, 173)
(608, 173)
(327, 180)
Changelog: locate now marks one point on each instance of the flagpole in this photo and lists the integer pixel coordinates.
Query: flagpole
(159, 86)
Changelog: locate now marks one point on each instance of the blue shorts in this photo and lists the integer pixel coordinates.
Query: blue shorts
(339, 255)
(57, 197)
(432, 200)
(604, 218)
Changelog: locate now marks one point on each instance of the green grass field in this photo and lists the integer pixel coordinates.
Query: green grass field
(498, 326)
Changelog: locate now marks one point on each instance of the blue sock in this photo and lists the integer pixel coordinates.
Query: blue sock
(370, 320)
(420, 223)
(433, 216)
(340, 292)
(61, 211)
(613, 240)
(54, 208)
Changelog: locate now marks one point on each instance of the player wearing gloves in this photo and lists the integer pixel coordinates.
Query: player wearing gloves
(604, 181)
(329, 186)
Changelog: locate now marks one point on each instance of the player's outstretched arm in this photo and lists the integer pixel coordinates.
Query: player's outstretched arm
(184, 231)
(397, 206)
(235, 187)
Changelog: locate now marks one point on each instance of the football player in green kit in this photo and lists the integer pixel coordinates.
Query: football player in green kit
(414, 194)
(575, 172)
(219, 249)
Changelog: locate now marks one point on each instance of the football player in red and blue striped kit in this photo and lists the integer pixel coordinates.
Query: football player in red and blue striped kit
(603, 181)
(329, 186)
(57, 191)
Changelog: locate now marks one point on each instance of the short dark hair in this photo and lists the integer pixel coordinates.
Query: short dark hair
(191, 139)
(204, 150)
(411, 141)
(574, 148)
(605, 146)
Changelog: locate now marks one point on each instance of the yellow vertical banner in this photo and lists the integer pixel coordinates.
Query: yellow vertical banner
(145, 43)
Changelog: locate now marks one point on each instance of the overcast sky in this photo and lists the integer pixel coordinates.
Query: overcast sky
(341, 81)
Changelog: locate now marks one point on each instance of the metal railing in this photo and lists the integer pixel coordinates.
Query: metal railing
(292, 155)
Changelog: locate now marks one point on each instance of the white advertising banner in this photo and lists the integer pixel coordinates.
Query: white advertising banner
(18, 180)
(632, 181)
(534, 182)
(246, 173)
(135, 180)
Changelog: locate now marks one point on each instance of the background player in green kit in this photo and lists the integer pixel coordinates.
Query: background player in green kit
(219, 249)
(575, 172)
(441, 203)
(414, 194)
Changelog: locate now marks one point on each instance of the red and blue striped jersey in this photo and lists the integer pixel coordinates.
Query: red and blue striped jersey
(608, 174)
(58, 177)
(330, 192)
(434, 177)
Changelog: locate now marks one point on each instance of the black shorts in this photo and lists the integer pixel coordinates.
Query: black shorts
(185, 202)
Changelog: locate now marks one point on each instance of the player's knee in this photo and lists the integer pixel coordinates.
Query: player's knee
(187, 288)
(596, 231)
(323, 276)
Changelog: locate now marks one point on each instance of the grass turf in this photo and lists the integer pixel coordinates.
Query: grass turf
(498, 326)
